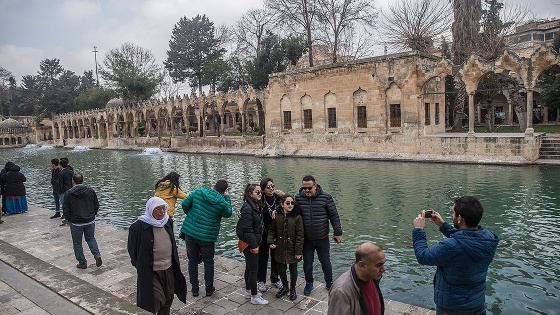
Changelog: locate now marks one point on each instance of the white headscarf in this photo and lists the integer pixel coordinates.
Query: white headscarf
(150, 206)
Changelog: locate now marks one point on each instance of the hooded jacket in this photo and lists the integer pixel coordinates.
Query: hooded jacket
(204, 209)
(165, 191)
(462, 261)
(316, 212)
(80, 205)
(12, 181)
(286, 231)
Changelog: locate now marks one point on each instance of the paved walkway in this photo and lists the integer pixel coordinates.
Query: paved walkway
(38, 275)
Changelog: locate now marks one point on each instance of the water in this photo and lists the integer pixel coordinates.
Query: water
(377, 202)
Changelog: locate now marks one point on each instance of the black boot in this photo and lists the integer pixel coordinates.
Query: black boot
(282, 291)
(293, 294)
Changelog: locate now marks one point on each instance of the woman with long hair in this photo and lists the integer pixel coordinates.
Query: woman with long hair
(249, 230)
(169, 190)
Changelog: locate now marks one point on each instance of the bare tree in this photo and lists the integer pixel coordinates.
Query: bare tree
(415, 24)
(298, 16)
(337, 17)
(250, 30)
(169, 88)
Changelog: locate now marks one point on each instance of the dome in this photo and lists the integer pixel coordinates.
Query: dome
(114, 103)
(10, 123)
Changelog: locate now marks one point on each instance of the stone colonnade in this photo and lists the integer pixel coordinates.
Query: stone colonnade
(239, 113)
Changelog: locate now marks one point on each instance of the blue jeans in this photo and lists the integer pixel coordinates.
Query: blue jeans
(56, 200)
(88, 231)
(322, 247)
(196, 249)
(61, 199)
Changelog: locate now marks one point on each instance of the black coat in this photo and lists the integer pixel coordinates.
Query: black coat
(65, 179)
(250, 226)
(316, 213)
(54, 178)
(140, 249)
(12, 182)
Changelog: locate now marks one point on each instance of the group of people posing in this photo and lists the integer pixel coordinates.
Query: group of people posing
(286, 229)
(289, 228)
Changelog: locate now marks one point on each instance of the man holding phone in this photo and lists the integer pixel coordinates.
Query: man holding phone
(462, 259)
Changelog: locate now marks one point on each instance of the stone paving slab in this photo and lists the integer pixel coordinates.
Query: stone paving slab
(37, 246)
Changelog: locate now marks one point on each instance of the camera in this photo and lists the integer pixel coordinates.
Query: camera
(428, 214)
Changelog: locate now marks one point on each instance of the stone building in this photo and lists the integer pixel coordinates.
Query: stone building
(387, 106)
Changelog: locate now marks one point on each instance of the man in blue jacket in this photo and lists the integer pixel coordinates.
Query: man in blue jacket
(462, 259)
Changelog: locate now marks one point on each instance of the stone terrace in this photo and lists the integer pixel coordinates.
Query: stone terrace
(39, 248)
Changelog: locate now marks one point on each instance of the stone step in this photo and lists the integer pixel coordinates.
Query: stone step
(550, 157)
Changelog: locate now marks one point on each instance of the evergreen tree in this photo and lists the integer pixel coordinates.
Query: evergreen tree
(193, 51)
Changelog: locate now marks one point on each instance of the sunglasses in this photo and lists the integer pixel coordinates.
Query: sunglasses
(270, 186)
(258, 192)
(289, 203)
(307, 188)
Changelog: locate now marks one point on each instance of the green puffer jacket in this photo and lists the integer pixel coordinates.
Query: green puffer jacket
(204, 209)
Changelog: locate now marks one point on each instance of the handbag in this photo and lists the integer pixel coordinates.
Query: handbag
(242, 245)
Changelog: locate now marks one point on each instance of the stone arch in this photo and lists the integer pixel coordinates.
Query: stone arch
(306, 112)
(286, 122)
(393, 107)
(432, 104)
(545, 78)
(360, 108)
(329, 111)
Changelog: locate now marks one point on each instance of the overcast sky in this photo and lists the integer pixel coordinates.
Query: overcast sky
(33, 30)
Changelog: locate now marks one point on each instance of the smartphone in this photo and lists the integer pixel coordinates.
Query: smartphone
(428, 214)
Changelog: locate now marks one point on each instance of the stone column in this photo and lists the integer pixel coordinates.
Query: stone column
(529, 129)
(471, 113)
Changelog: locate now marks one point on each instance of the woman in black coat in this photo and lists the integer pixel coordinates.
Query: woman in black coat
(153, 252)
(249, 230)
(14, 189)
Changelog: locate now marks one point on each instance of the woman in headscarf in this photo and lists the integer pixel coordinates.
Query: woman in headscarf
(152, 250)
(168, 189)
(14, 189)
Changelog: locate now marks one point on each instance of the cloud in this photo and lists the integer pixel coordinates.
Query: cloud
(23, 59)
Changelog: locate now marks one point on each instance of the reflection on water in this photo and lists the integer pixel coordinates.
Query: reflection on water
(377, 202)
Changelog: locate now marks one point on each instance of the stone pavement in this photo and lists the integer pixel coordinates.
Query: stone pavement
(38, 275)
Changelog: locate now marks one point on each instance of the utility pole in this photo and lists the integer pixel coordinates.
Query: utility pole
(95, 54)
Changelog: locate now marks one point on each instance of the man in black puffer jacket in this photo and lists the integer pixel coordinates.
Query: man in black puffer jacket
(317, 209)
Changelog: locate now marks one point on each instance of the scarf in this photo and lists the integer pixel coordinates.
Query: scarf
(147, 216)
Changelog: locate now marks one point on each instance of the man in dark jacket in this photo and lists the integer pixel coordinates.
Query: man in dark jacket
(80, 208)
(356, 292)
(64, 181)
(55, 170)
(462, 259)
(317, 209)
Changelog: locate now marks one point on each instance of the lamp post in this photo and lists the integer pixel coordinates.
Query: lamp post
(95, 56)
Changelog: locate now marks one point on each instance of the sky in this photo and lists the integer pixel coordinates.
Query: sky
(34, 30)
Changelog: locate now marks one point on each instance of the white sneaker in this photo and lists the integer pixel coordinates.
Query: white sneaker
(258, 300)
(279, 285)
(261, 286)
(247, 294)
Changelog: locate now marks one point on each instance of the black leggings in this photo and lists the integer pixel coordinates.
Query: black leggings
(284, 277)
(251, 267)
